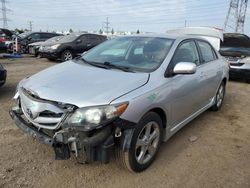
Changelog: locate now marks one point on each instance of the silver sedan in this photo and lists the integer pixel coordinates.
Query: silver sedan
(128, 94)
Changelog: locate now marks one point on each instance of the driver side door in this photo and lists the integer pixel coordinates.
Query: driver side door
(187, 89)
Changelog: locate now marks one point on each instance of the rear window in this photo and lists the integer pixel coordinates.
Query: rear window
(207, 52)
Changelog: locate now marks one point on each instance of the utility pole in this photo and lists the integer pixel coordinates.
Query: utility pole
(107, 25)
(242, 16)
(185, 23)
(236, 16)
(30, 25)
(4, 14)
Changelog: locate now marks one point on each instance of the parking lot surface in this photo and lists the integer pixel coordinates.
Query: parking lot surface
(211, 151)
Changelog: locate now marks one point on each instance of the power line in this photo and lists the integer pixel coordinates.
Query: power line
(4, 14)
(242, 16)
(107, 25)
(235, 18)
(30, 25)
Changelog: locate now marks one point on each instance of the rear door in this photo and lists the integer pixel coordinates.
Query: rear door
(210, 69)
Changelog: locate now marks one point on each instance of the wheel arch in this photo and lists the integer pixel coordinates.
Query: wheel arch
(162, 115)
(224, 80)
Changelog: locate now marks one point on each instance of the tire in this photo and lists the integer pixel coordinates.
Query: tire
(219, 98)
(138, 157)
(67, 55)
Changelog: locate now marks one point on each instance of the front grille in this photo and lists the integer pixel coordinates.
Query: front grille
(236, 64)
(50, 114)
(41, 113)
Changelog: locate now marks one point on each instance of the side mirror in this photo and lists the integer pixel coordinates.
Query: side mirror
(78, 41)
(84, 52)
(29, 38)
(185, 68)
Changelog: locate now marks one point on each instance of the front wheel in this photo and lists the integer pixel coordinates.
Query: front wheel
(219, 98)
(67, 55)
(145, 143)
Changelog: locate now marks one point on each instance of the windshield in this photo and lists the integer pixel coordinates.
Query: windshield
(70, 38)
(23, 35)
(143, 54)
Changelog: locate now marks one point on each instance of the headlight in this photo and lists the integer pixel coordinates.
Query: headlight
(245, 60)
(54, 47)
(93, 117)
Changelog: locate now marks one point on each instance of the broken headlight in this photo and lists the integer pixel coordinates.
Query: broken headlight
(93, 117)
(54, 47)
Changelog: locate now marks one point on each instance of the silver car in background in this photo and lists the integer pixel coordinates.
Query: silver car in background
(126, 95)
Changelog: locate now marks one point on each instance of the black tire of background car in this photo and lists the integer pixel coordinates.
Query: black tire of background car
(63, 54)
(127, 159)
(215, 107)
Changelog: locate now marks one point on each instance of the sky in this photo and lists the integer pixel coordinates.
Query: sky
(124, 15)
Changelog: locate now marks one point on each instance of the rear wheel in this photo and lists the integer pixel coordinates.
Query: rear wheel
(219, 97)
(66, 55)
(145, 144)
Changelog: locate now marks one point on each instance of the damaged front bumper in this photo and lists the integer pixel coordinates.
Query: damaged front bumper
(86, 146)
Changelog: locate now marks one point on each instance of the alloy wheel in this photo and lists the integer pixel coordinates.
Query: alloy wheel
(147, 142)
(220, 95)
(67, 56)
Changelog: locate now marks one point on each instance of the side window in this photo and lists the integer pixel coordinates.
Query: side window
(84, 39)
(207, 52)
(48, 35)
(45, 36)
(93, 39)
(186, 52)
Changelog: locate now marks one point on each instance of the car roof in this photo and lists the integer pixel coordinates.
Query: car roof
(168, 36)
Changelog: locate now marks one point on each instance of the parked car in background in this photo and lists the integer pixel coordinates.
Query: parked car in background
(30, 37)
(70, 46)
(34, 47)
(129, 93)
(5, 36)
(236, 49)
(3, 75)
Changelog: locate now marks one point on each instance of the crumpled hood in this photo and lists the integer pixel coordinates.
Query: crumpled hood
(83, 85)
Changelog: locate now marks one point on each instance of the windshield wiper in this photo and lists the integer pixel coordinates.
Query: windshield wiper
(93, 63)
(111, 65)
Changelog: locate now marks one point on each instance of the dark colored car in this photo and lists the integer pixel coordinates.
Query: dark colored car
(236, 49)
(3, 75)
(30, 37)
(34, 47)
(70, 46)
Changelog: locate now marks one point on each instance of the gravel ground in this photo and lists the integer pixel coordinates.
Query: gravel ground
(211, 151)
